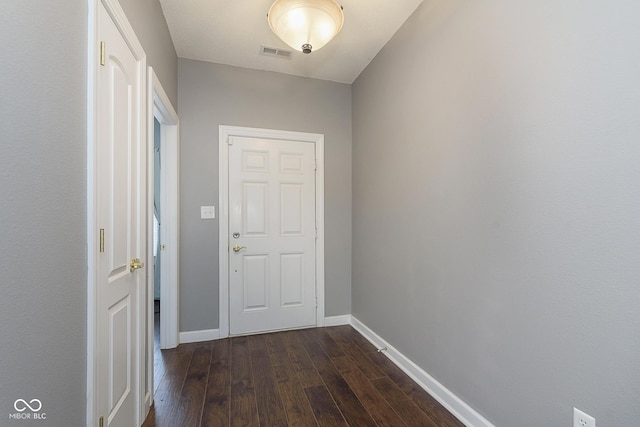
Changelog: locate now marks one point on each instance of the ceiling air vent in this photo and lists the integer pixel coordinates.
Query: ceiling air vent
(274, 51)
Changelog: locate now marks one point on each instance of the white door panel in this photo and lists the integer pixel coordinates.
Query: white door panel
(119, 200)
(255, 205)
(255, 282)
(292, 209)
(291, 278)
(272, 225)
(119, 369)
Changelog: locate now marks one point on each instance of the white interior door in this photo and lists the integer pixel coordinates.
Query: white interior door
(119, 180)
(272, 226)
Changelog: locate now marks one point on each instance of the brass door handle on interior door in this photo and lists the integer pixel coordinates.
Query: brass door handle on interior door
(135, 264)
(238, 248)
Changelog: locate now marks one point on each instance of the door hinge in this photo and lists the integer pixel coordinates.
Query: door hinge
(101, 240)
(102, 54)
(315, 165)
(101, 422)
(229, 141)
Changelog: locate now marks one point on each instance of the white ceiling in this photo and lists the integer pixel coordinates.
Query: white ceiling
(232, 31)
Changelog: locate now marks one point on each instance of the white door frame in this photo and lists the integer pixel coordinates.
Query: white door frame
(223, 174)
(169, 209)
(162, 110)
(119, 18)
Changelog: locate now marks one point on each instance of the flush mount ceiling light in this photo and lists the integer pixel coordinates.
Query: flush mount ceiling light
(306, 25)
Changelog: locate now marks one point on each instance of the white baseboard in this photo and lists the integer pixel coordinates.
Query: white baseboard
(214, 334)
(465, 413)
(199, 336)
(337, 320)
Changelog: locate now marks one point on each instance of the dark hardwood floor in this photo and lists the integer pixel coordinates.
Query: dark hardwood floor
(311, 377)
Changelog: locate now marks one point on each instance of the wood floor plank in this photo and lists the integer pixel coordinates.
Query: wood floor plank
(189, 409)
(429, 404)
(324, 408)
(241, 375)
(366, 365)
(217, 402)
(417, 394)
(392, 371)
(270, 408)
(296, 404)
(350, 406)
(306, 371)
(354, 336)
(433, 408)
(244, 413)
(371, 399)
(275, 343)
(168, 391)
(330, 346)
(221, 349)
(339, 333)
(306, 335)
(410, 413)
(188, 347)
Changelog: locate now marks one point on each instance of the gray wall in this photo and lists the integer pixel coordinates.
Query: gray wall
(150, 26)
(43, 259)
(496, 210)
(43, 253)
(213, 95)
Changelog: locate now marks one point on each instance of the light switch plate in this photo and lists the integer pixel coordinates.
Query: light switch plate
(581, 419)
(207, 212)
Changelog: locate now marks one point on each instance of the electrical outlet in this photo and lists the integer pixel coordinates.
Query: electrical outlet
(580, 419)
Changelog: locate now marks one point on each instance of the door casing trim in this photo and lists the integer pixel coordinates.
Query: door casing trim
(223, 191)
(160, 108)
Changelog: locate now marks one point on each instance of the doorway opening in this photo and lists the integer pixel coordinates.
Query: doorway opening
(158, 363)
(162, 246)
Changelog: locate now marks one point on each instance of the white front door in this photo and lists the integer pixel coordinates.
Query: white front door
(272, 227)
(119, 180)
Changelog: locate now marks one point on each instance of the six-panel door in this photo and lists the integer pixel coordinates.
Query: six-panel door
(272, 235)
(119, 204)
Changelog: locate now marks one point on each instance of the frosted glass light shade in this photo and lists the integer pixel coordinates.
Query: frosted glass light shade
(306, 25)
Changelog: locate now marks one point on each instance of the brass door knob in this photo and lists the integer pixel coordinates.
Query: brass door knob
(135, 264)
(238, 248)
